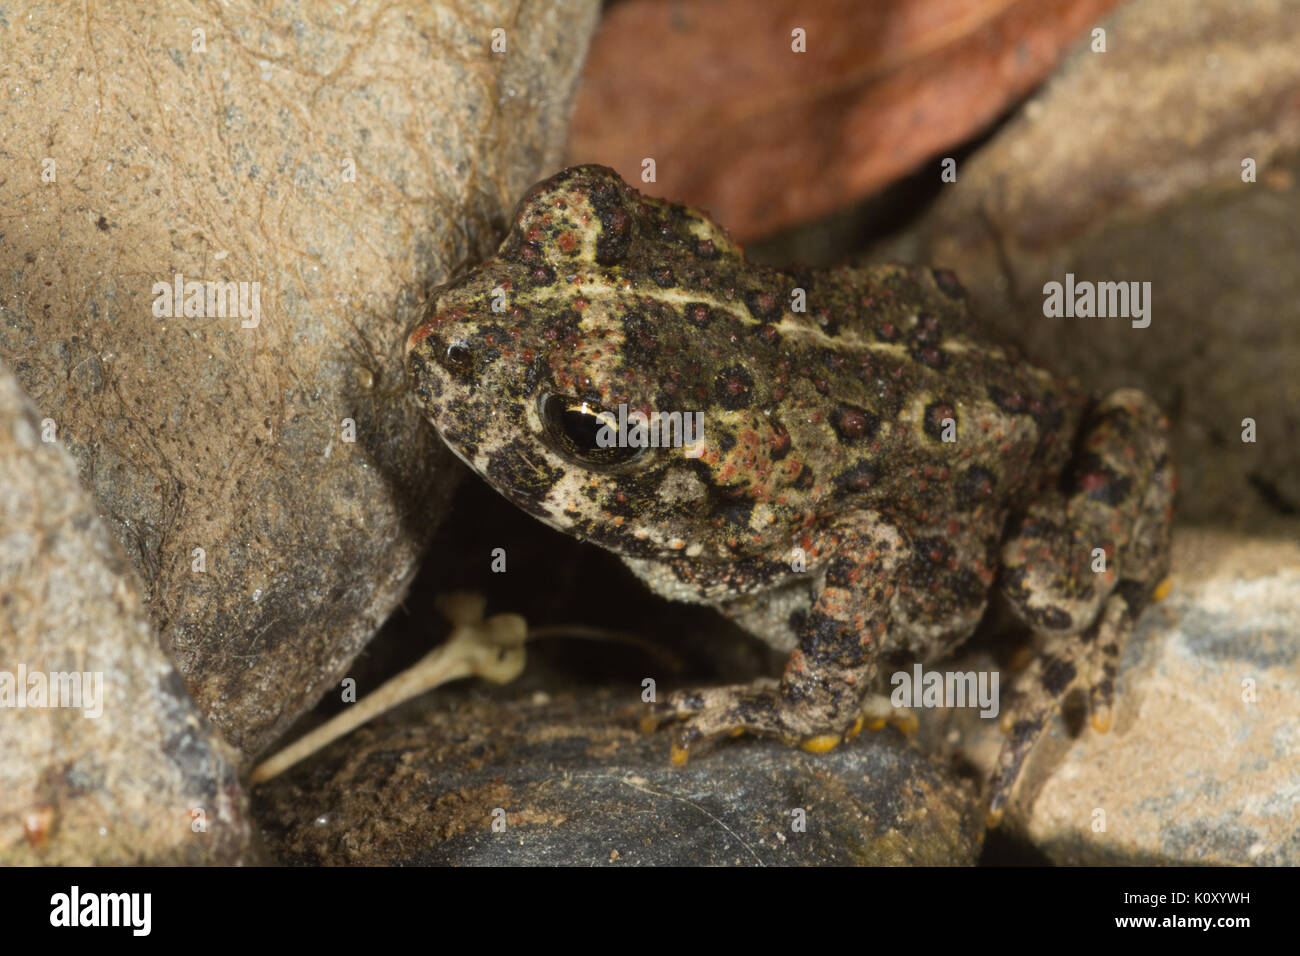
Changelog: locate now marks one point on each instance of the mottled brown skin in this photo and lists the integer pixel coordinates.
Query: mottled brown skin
(872, 470)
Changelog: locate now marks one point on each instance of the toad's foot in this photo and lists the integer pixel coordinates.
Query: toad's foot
(877, 711)
(760, 710)
(1088, 663)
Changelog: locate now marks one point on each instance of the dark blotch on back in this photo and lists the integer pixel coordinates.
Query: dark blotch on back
(1104, 483)
(764, 304)
(663, 276)
(935, 414)
(853, 424)
(861, 477)
(973, 487)
(734, 388)
(698, 314)
(617, 228)
(641, 344)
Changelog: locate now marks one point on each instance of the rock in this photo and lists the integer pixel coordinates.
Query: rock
(1202, 763)
(1127, 167)
(335, 161)
(573, 782)
(131, 774)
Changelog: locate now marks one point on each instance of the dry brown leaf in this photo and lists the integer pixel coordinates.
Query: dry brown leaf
(763, 137)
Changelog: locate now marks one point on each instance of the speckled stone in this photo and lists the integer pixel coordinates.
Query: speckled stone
(574, 782)
(131, 774)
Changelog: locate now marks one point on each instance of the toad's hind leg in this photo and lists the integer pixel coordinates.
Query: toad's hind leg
(818, 701)
(1117, 497)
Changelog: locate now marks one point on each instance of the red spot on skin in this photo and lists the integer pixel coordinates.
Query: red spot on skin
(533, 234)
(566, 242)
(422, 333)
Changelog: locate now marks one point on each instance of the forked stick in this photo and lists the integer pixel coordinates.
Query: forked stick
(491, 649)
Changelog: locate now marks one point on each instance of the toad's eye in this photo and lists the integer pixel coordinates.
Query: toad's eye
(586, 432)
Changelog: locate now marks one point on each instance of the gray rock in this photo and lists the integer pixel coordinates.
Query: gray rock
(343, 161)
(574, 782)
(1202, 762)
(131, 773)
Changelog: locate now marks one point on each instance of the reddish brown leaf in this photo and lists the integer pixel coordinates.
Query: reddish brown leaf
(764, 137)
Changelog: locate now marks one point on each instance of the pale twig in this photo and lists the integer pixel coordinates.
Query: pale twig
(492, 649)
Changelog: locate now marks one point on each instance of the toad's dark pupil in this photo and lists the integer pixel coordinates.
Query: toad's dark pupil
(576, 427)
(582, 427)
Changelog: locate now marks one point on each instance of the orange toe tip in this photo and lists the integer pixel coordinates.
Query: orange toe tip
(1101, 718)
(1162, 589)
(679, 755)
(855, 729)
(992, 817)
(649, 723)
(822, 743)
(876, 724)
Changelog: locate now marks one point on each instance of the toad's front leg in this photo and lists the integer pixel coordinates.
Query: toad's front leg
(818, 701)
